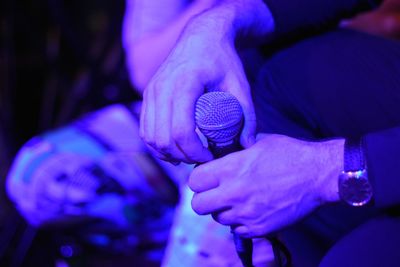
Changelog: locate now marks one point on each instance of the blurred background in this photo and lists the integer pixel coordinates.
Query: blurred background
(58, 60)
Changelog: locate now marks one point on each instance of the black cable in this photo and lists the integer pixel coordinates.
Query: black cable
(281, 253)
(244, 249)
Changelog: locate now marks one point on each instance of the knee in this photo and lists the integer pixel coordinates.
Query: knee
(375, 243)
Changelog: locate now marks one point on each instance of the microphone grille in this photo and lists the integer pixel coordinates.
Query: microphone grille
(219, 116)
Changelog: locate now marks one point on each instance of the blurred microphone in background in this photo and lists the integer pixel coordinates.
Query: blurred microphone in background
(96, 172)
(97, 179)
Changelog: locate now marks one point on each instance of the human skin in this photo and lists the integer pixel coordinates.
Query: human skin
(273, 182)
(276, 182)
(146, 51)
(204, 58)
(384, 21)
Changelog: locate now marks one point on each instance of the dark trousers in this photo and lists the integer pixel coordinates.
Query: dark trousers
(339, 84)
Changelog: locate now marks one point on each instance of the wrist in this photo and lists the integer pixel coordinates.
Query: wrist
(354, 186)
(235, 19)
(331, 165)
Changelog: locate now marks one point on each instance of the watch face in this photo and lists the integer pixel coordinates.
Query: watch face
(354, 188)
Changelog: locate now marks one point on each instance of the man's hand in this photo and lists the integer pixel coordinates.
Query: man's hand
(204, 58)
(271, 185)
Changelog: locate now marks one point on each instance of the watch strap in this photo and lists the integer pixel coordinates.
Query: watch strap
(353, 155)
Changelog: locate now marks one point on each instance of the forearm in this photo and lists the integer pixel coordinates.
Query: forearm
(226, 19)
(147, 49)
(233, 20)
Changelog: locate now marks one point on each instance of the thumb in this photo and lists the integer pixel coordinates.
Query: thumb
(241, 90)
(247, 137)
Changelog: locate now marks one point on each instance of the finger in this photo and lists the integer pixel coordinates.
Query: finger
(247, 137)
(142, 116)
(148, 117)
(161, 156)
(240, 88)
(203, 178)
(209, 202)
(163, 119)
(242, 231)
(214, 173)
(251, 231)
(263, 254)
(226, 217)
(261, 136)
(183, 123)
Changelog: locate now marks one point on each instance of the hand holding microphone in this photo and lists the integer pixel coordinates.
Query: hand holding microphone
(219, 117)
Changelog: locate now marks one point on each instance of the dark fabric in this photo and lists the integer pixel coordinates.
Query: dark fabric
(299, 17)
(338, 84)
(383, 154)
(373, 244)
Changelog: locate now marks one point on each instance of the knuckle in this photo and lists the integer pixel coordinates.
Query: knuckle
(253, 212)
(142, 135)
(249, 212)
(183, 136)
(148, 140)
(163, 146)
(220, 218)
(179, 134)
(255, 231)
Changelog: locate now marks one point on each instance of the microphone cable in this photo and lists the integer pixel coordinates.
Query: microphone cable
(219, 116)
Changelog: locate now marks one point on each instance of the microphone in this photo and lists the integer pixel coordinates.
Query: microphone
(219, 116)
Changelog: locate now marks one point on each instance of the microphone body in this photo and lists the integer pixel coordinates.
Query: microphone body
(219, 117)
(244, 246)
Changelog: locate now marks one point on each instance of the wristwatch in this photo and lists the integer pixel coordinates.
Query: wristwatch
(354, 186)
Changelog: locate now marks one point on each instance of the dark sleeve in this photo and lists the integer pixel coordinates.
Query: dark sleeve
(301, 17)
(383, 162)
